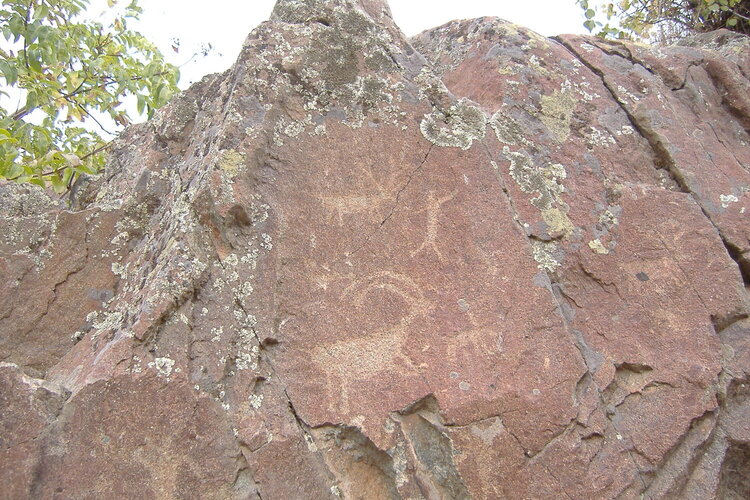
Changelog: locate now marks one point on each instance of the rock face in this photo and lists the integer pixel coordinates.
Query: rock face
(475, 264)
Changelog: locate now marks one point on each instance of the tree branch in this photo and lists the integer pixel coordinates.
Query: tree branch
(61, 169)
(86, 112)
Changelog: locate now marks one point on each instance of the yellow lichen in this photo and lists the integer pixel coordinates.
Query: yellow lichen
(536, 65)
(232, 162)
(558, 222)
(509, 70)
(597, 246)
(557, 110)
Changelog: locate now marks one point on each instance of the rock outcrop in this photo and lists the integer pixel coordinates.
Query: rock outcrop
(475, 264)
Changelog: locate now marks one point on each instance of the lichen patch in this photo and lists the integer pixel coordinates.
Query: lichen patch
(507, 129)
(545, 254)
(232, 162)
(727, 199)
(557, 110)
(163, 366)
(546, 183)
(457, 127)
(598, 247)
(558, 222)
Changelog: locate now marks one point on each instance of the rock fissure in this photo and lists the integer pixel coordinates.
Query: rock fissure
(692, 64)
(664, 157)
(687, 456)
(432, 450)
(396, 201)
(623, 52)
(406, 185)
(721, 141)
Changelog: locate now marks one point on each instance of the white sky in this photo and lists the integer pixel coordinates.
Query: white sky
(225, 23)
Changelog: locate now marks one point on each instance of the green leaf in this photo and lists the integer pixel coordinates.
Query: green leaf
(163, 96)
(15, 171)
(34, 61)
(67, 66)
(10, 73)
(590, 13)
(58, 184)
(41, 12)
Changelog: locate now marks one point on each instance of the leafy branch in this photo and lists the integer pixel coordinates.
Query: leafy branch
(68, 70)
(664, 21)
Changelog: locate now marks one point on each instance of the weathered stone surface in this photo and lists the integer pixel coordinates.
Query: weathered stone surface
(173, 443)
(475, 264)
(29, 406)
(626, 252)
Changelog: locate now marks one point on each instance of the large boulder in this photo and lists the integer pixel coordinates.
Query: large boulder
(479, 263)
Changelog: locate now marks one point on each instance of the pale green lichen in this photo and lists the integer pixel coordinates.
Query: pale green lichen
(256, 400)
(533, 179)
(182, 214)
(232, 162)
(334, 56)
(597, 246)
(608, 218)
(457, 127)
(231, 260)
(547, 183)
(136, 366)
(105, 321)
(247, 359)
(544, 254)
(119, 270)
(266, 241)
(185, 270)
(598, 138)
(400, 462)
(507, 130)
(535, 64)
(557, 110)
(244, 290)
(163, 366)
(28, 222)
(311, 446)
(625, 130)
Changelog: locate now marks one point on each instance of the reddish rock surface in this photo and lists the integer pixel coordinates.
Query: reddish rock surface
(475, 264)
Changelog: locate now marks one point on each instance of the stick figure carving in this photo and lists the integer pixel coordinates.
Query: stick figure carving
(433, 207)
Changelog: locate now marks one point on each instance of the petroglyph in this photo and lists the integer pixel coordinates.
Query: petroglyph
(433, 207)
(382, 191)
(351, 363)
(475, 343)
